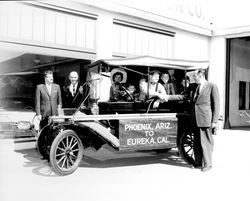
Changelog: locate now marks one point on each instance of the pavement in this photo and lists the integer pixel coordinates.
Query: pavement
(111, 175)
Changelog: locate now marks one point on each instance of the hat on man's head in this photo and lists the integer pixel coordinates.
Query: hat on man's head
(120, 71)
(191, 76)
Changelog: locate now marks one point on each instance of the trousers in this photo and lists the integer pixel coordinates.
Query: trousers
(203, 146)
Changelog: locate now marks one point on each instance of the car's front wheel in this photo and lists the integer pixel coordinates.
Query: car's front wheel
(66, 152)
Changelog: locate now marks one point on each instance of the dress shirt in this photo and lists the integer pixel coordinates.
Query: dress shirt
(48, 86)
(202, 84)
(152, 90)
(71, 88)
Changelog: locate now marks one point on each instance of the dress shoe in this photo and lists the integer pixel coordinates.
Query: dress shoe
(197, 166)
(206, 168)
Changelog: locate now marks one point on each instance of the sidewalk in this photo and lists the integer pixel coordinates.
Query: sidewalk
(107, 175)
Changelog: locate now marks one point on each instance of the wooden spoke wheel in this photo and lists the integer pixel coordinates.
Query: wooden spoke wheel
(186, 148)
(66, 152)
(44, 142)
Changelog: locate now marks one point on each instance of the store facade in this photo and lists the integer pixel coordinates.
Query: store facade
(78, 30)
(81, 32)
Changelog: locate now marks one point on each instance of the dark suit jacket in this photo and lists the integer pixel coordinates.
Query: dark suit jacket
(47, 105)
(70, 101)
(205, 110)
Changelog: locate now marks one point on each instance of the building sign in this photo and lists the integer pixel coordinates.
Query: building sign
(194, 12)
(147, 133)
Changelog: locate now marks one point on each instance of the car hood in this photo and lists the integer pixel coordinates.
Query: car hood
(8, 115)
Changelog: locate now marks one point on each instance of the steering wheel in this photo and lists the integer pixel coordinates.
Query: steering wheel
(127, 92)
(151, 101)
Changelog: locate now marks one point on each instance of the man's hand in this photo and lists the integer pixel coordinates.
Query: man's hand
(160, 96)
(214, 128)
(214, 125)
(166, 98)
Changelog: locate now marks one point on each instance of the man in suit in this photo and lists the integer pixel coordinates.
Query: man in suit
(48, 99)
(72, 93)
(204, 113)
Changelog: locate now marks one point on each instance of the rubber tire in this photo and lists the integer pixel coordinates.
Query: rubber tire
(54, 149)
(43, 143)
(186, 148)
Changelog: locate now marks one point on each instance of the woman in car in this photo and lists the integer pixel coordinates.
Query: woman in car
(117, 89)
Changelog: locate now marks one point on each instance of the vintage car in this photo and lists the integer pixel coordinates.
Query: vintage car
(17, 92)
(126, 124)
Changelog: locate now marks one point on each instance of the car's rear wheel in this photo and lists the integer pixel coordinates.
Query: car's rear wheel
(44, 142)
(66, 152)
(186, 148)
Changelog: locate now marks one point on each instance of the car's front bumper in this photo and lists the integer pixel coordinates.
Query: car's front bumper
(11, 130)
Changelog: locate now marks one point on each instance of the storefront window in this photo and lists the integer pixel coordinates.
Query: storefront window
(249, 95)
(242, 95)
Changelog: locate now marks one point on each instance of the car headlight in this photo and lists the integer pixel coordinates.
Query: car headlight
(22, 125)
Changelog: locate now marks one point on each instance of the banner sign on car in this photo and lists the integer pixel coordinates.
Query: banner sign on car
(136, 134)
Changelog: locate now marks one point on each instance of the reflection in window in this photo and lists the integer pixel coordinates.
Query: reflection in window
(249, 95)
(17, 90)
(242, 95)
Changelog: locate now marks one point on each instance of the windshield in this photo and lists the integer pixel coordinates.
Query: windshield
(18, 90)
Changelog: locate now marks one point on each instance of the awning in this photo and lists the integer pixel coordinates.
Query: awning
(153, 62)
(7, 54)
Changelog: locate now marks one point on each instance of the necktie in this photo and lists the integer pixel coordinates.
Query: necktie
(197, 92)
(74, 90)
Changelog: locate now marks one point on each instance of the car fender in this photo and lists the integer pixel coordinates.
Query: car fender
(102, 131)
